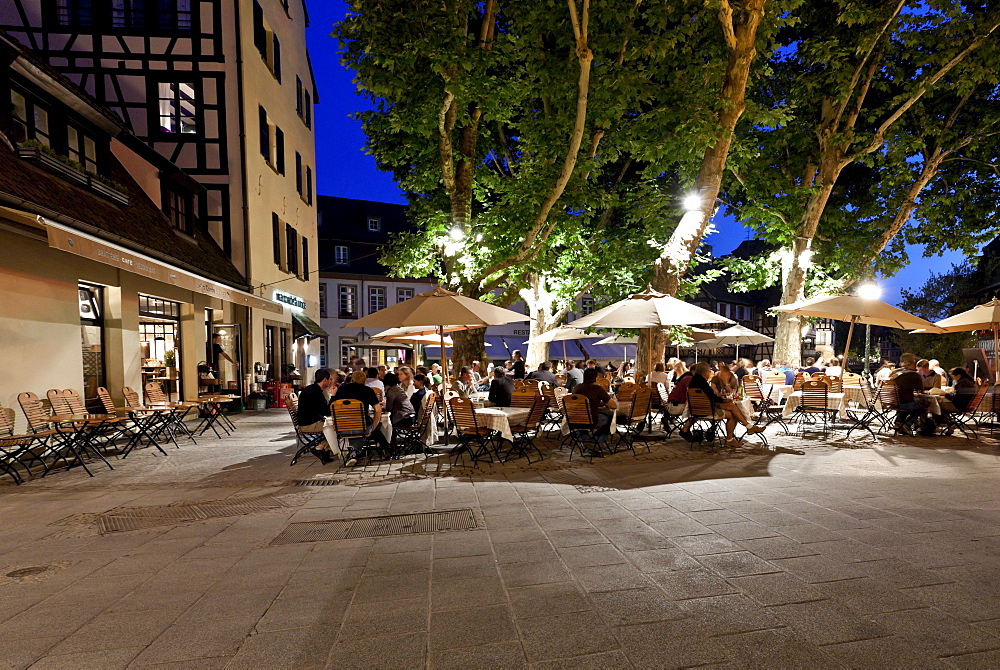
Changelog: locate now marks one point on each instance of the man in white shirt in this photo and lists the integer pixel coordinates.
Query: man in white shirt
(373, 381)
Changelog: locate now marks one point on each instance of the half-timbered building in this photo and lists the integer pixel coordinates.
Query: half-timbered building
(223, 90)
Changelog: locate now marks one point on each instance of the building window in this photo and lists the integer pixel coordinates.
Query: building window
(342, 255)
(586, 305)
(292, 245)
(74, 12)
(323, 344)
(309, 185)
(265, 134)
(30, 120)
(81, 148)
(298, 172)
(178, 108)
(376, 299)
(374, 224)
(305, 257)
(298, 96)
(303, 102)
(276, 240)
(177, 207)
(348, 302)
(308, 117)
(128, 13)
(266, 42)
(322, 300)
(403, 294)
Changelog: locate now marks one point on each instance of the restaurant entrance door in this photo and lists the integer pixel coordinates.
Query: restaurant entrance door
(159, 339)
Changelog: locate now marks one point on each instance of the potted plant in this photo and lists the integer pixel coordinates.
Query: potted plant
(170, 363)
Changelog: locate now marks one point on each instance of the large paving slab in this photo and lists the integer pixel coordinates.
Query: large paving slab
(818, 552)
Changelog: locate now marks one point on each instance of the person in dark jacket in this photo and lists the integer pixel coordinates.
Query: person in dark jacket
(543, 374)
(357, 390)
(417, 399)
(518, 364)
(314, 407)
(908, 384)
(963, 391)
(501, 389)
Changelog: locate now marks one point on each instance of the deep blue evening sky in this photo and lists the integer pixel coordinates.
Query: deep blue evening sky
(343, 169)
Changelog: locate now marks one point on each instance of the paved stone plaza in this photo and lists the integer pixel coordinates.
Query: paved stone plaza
(842, 555)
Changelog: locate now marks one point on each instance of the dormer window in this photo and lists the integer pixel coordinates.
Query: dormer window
(81, 148)
(30, 119)
(177, 206)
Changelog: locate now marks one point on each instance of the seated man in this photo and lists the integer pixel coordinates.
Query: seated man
(543, 374)
(810, 366)
(313, 409)
(464, 385)
(574, 376)
(930, 378)
(908, 382)
(602, 405)
(357, 390)
(501, 388)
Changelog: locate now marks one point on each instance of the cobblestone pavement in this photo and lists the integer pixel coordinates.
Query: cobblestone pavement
(818, 553)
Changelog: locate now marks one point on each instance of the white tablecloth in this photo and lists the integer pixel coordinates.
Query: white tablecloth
(852, 396)
(564, 426)
(500, 419)
(331, 433)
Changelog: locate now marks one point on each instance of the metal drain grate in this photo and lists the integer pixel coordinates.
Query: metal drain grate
(377, 526)
(316, 482)
(137, 518)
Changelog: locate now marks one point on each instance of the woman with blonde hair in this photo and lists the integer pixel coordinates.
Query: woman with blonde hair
(678, 371)
(405, 375)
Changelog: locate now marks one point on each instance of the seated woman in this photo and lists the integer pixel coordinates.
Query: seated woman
(725, 383)
(658, 375)
(676, 372)
(724, 407)
(396, 403)
(958, 399)
(885, 372)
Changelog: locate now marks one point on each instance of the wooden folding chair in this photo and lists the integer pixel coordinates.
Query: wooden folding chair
(815, 403)
(768, 411)
(869, 413)
(305, 441)
(966, 419)
(411, 438)
(350, 420)
(472, 437)
(40, 426)
(526, 432)
(701, 411)
(633, 421)
(582, 425)
(17, 449)
(604, 383)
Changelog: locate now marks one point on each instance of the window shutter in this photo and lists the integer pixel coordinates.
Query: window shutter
(305, 257)
(259, 31)
(298, 172)
(277, 57)
(265, 135)
(279, 148)
(276, 238)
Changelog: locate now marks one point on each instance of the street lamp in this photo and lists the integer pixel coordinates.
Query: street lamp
(692, 202)
(868, 291)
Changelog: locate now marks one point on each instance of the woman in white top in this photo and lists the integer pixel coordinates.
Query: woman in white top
(834, 369)
(658, 375)
(884, 372)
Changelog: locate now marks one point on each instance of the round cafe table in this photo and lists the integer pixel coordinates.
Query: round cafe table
(78, 430)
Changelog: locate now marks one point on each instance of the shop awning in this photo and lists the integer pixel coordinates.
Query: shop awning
(303, 326)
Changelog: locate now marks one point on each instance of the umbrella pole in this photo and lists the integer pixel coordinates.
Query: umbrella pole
(996, 353)
(649, 352)
(847, 347)
(444, 383)
(565, 360)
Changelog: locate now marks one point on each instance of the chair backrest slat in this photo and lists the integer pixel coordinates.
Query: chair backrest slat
(33, 410)
(776, 378)
(604, 383)
(700, 405)
(6, 421)
(814, 394)
(751, 387)
(427, 409)
(464, 414)
(626, 391)
(835, 384)
(106, 401)
(887, 394)
(349, 416)
(640, 403)
(577, 410)
(661, 389)
(978, 399)
(74, 402)
(524, 397)
(154, 393)
(57, 401)
(131, 397)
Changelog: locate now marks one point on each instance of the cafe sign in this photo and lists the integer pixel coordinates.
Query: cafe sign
(289, 299)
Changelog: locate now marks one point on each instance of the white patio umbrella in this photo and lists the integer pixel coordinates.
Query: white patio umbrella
(622, 340)
(980, 317)
(649, 309)
(856, 309)
(560, 334)
(439, 310)
(737, 335)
